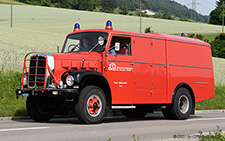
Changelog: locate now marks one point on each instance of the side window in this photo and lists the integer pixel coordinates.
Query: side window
(124, 46)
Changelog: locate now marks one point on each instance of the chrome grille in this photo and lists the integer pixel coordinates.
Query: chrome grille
(36, 76)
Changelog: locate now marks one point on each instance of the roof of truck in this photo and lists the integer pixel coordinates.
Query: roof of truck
(158, 36)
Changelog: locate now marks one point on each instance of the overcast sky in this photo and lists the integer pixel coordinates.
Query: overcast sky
(203, 6)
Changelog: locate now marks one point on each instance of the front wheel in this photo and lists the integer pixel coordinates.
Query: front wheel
(91, 106)
(40, 109)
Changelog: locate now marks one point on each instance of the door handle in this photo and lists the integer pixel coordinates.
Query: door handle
(131, 64)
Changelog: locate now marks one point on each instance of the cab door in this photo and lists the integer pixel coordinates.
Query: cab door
(119, 70)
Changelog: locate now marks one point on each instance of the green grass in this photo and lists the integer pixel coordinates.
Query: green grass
(13, 2)
(9, 105)
(210, 37)
(4, 2)
(215, 103)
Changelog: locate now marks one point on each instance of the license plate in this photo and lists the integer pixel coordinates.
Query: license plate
(25, 94)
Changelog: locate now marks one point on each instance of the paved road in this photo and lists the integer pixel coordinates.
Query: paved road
(119, 128)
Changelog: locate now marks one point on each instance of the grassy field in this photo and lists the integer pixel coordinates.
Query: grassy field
(219, 70)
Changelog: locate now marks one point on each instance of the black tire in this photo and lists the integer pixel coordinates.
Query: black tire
(91, 106)
(134, 113)
(182, 105)
(40, 109)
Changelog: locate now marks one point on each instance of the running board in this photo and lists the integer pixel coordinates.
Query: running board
(124, 107)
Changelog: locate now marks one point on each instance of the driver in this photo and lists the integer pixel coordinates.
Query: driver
(86, 44)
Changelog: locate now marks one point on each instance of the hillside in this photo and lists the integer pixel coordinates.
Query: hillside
(13, 2)
(42, 29)
(161, 6)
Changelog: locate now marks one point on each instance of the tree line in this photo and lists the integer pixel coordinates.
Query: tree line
(172, 8)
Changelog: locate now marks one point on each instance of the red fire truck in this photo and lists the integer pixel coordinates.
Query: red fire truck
(99, 70)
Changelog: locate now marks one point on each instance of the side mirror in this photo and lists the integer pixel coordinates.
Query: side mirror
(117, 46)
(101, 41)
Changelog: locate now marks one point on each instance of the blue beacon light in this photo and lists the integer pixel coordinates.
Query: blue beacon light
(182, 34)
(76, 27)
(109, 25)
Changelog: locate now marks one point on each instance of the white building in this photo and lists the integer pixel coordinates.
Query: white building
(148, 12)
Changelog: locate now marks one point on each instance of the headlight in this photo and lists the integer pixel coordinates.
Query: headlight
(25, 79)
(69, 80)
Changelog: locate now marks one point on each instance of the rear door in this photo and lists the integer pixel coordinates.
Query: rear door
(149, 71)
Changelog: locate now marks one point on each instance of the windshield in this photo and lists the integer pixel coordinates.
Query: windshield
(84, 41)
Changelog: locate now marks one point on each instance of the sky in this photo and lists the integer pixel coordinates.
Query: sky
(203, 7)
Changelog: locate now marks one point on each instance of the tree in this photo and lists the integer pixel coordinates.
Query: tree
(107, 6)
(123, 10)
(216, 15)
(218, 46)
(166, 15)
(220, 3)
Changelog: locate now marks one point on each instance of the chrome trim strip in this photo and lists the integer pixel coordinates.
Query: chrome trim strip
(201, 83)
(136, 62)
(190, 66)
(120, 61)
(123, 107)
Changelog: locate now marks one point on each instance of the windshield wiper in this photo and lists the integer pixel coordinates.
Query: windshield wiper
(93, 48)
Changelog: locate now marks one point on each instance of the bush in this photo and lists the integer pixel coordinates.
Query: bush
(216, 135)
(218, 46)
(199, 36)
(148, 30)
(185, 19)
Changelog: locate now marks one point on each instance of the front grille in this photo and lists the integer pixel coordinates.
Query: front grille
(36, 76)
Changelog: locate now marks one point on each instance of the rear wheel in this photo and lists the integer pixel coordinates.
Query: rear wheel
(182, 105)
(91, 106)
(40, 109)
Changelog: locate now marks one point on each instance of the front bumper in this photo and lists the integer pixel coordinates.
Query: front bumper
(49, 92)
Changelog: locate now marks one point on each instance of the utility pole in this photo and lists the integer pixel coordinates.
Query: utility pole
(11, 15)
(140, 16)
(194, 8)
(223, 18)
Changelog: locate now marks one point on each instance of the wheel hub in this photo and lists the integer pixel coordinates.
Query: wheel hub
(183, 104)
(94, 105)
